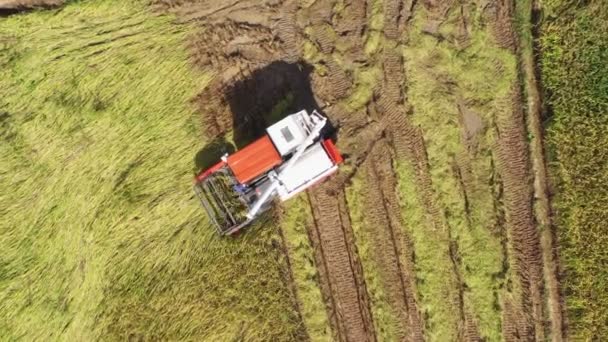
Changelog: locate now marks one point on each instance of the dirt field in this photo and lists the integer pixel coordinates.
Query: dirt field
(15, 6)
(351, 59)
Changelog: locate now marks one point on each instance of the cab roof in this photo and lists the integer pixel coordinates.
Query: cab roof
(254, 160)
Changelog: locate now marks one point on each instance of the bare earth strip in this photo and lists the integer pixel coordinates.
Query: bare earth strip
(344, 275)
(383, 216)
(514, 164)
(541, 184)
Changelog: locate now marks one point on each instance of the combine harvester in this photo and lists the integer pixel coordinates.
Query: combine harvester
(289, 159)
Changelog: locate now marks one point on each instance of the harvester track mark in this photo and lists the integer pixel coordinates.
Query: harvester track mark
(218, 119)
(352, 21)
(393, 250)
(542, 206)
(324, 283)
(287, 275)
(339, 81)
(288, 32)
(471, 332)
(344, 273)
(322, 36)
(320, 12)
(501, 14)
(510, 327)
(392, 18)
(514, 164)
(407, 10)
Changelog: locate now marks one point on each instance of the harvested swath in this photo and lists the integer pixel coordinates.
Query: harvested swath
(382, 238)
(391, 246)
(249, 33)
(513, 163)
(407, 8)
(227, 43)
(438, 9)
(462, 36)
(408, 144)
(344, 272)
(211, 11)
(437, 13)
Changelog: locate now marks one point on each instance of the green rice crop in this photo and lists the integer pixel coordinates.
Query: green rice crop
(101, 236)
(574, 54)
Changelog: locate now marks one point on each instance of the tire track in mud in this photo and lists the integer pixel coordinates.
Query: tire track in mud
(514, 164)
(344, 274)
(534, 113)
(287, 274)
(383, 216)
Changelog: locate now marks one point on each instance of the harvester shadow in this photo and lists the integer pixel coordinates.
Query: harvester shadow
(212, 153)
(268, 95)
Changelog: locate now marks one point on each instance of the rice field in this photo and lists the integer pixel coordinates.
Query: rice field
(101, 234)
(428, 231)
(574, 73)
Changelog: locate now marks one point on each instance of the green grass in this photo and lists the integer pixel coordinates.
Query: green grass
(100, 233)
(575, 51)
(441, 75)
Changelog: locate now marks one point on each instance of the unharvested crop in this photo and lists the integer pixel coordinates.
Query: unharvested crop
(101, 234)
(575, 50)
